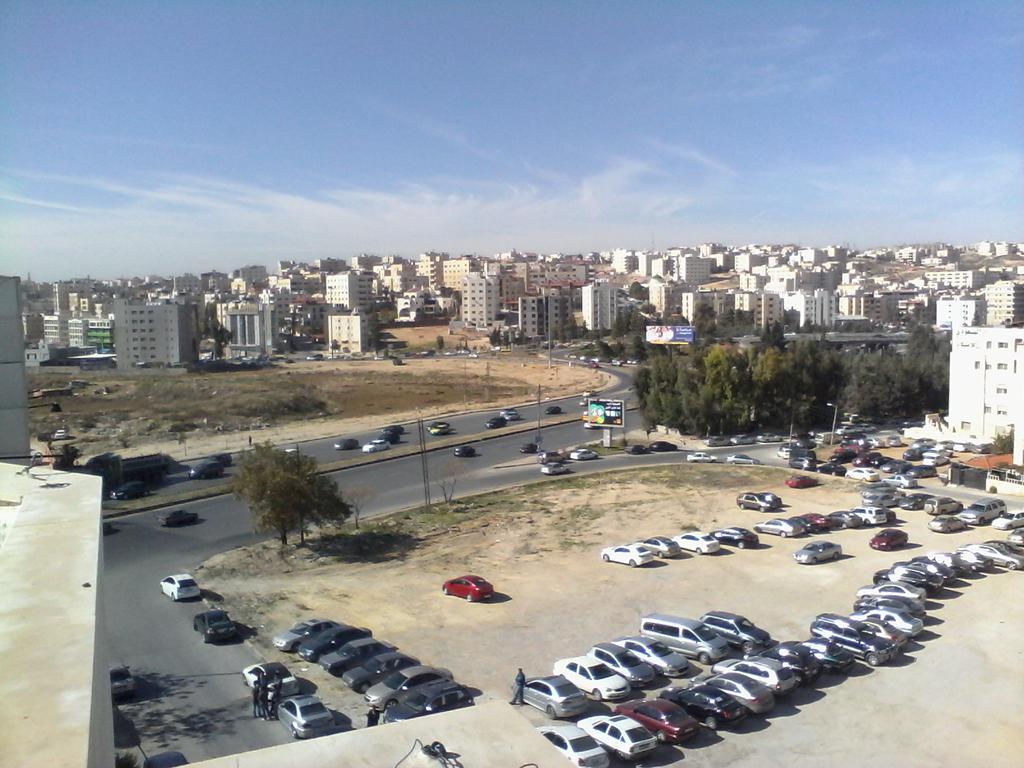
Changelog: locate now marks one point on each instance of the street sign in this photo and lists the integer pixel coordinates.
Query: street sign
(605, 413)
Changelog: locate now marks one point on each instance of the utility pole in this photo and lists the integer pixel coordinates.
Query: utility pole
(423, 463)
(835, 416)
(538, 415)
(547, 303)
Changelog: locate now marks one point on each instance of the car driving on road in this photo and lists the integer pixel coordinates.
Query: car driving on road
(180, 587)
(178, 517)
(214, 625)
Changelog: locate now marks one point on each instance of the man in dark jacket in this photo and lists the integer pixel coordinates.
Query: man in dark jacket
(517, 697)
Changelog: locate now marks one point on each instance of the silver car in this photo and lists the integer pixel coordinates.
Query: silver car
(771, 673)
(780, 526)
(657, 654)
(622, 662)
(305, 716)
(998, 553)
(389, 690)
(554, 696)
(899, 620)
(663, 546)
(289, 640)
(754, 696)
(817, 552)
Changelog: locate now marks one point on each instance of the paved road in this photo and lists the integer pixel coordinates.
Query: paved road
(192, 698)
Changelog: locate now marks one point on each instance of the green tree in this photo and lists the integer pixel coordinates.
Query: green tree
(704, 321)
(638, 292)
(1003, 443)
(285, 493)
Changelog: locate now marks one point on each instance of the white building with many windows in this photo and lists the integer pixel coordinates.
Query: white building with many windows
(600, 306)
(955, 312)
(481, 299)
(155, 333)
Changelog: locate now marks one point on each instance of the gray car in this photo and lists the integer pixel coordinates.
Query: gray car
(122, 684)
(554, 696)
(737, 630)
(979, 514)
(375, 669)
(662, 546)
(353, 653)
(622, 662)
(657, 654)
(772, 673)
(780, 526)
(389, 690)
(289, 640)
(688, 636)
(754, 696)
(818, 552)
(305, 716)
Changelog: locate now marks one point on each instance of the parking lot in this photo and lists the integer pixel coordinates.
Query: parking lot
(540, 548)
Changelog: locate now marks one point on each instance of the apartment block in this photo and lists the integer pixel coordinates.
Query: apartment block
(986, 379)
(351, 290)
(431, 266)
(453, 270)
(625, 262)
(694, 270)
(719, 301)
(253, 327)
(817, 308)
(958, 279)
(481, 299)
(600, 306)
(348, 333)
(544, 315)
(766, 308)
(746, 261)
(32, 325)
(91, 332)
(1004, 302)
(752, 283)
(55, 329)
(877, 308)
(664, 295)
(955, 312)
(155, 333)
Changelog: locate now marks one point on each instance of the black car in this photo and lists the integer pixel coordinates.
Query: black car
(921, 471)
(636, 450)
(915, 577)
(465, 451)
(711, 706)
(797, 658)
(843, 455)
(346, 444)
(914, 454)
(224, 459)
(737, 537)
(393, 438)
(895, 466)
(913, 501)
(135, 489)
(805, 463)
(398, 428)
(178, 517)
(663, 446)
(553, 410)
(832, 657)
(496, 422)
(206, 470)
(429, 699)
(214, 625)
(528, 448)
(832, 468)
(312, 648)
(803, 442)
(737, 630)
(375, 669)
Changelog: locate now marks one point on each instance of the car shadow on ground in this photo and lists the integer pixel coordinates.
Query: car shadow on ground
(860, 669)
(665, 754)
(842, 557)
(957, 583)
(904, 659)
(211, 595)
(655, 564)
(373, 546)
(705, 738)
(723, 552)
(946, 594)
(805, 694)
(497, 598)
(931, 620)
(827, 680)
(926, 636)
(306, 686)
(342, 722)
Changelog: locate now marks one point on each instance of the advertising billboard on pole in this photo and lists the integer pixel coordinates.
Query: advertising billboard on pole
(671, 334)
(605, 413)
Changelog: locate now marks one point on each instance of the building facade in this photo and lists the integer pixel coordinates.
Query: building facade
(155, 333)
(351, 290)
(481, 299)
(600, 306)
(348, 333)
(253, 327)
(986, 381)
(544, 316)
(1004, 303)
(955, 312)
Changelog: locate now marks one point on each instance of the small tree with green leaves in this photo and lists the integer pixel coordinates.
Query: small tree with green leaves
(1003, 443)
(286, 494)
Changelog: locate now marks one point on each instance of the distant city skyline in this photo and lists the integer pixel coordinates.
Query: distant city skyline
(165, 138)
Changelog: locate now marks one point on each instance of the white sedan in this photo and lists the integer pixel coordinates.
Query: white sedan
(628, 554)
(592, 677)
(892, 589)
(619, 734)
(863, 473)
(740, 458)
(582, 454)
(380, 444)
(1009, 521)
(701, 543)
(554, 469)
(699, 457)
(180, 587)
(573, 742)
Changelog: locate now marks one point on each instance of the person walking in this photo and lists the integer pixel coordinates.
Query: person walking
(372, 717)
(257, 703)
(517, 697)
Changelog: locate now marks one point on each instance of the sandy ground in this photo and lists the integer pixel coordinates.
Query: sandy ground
(493, 382)
(540, 547)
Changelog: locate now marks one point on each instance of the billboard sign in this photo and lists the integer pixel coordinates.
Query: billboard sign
(605, 413)
(671, 334)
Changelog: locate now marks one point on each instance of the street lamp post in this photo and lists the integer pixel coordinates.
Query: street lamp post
(835, 417)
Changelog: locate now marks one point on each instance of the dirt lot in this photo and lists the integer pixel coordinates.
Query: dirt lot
(540, 547)
(146, 412)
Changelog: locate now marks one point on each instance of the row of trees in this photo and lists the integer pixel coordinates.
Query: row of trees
(722, 388)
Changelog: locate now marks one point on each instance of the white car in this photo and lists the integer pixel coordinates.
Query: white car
(619, 734)
(863, 473)
(890, 589)
(628, 554)
(699, 457)
(555, 468)
(998, 553)
(740, 458)
(592, 677)
(871, 515)
(380, 444)
(902, 481)
(898, 620)
(582, 454)
(573, 742)
(657, 654)
(289, 684)
(770, 672)
(180, 587)
(1009, 520)
(935, 458)
(60, 434)
(701, 543)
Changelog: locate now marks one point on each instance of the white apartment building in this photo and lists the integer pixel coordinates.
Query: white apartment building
(664, 295)
(253, 326)
(955, 312)
(601, 303)
(348, 333)
(1004, 302)
(986, 381)
(958, 279)
(624, 261)
(719, 301)
(351, 290)
(767, 308)
(55, 329)
(819, 307)
(481, 299)
(155, 333)
(745, 261)
(751, 283)
(694, 270)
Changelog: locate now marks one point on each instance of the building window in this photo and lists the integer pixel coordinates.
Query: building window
(1001, 366)
(988, 409)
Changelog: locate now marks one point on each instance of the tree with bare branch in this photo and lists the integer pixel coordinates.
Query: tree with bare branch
(450, 473)
(358, 496)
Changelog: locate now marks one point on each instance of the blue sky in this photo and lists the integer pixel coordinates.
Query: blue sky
(169, 136)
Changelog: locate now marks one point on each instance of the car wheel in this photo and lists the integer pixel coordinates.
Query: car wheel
(784, 535)
(606, 558)
(596, 694)
(1011, 566)
(549, 711)
(469, 597)
(703, 658)
(711, 722)
(836, 555)
(444, 590)
(660, 736)
(872, 659)
(748, 648)
(632, 563)
(390, 703)
(742, 545)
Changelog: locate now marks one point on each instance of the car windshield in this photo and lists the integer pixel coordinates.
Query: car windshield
(565, 689)
(599, 671)
(314, 710)
(217, 617)
(705, 634)
(186, 583)
(119, 674)
(583, 744)
(659, 649)
(745, 623)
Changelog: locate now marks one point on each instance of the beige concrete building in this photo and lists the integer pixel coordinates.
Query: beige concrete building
(480, 299)
(431, 266)
(347, 333)
(253, 327)
(453, 270)
(155, 333)
(1004, 303)
(351, 290)
(767, 308)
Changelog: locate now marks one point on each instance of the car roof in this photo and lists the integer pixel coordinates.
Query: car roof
(431, 689)
(610, 647)
(567, 732)
(667, 618)
(305, 701)
(180, 576)
(722, 615)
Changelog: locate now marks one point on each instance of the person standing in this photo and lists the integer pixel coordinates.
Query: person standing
(273, 697)
(372, 717)
(265, 699)
(520, 684)
(257, 703)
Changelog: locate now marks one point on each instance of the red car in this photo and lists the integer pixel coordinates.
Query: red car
(666, 720)
(801, 481)
(818, 523)
(889, 539)
(472, 588)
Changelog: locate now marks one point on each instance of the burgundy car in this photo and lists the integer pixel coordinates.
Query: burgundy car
(843, 455)
(888, 539)
(800, 481)
(667, 721)
(818, 523)
(472, 588)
